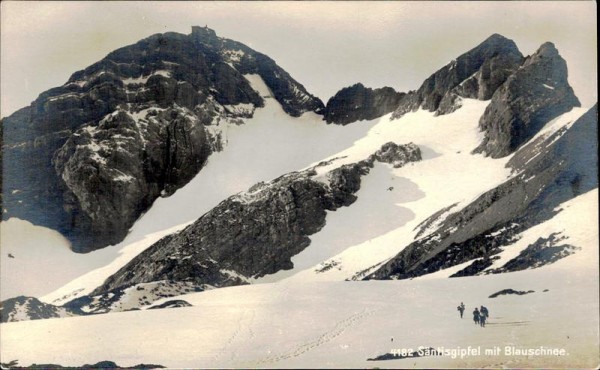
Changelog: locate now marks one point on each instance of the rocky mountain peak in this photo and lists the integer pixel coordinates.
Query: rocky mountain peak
(536, 93)
(547, 49)
(87, 158)
(475, 74)
(497, 43)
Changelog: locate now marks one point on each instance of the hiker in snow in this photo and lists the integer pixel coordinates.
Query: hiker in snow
(484, 311)
(482, 318)
(461, 309)
(476, 316)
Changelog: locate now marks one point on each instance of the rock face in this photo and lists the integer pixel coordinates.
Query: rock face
(89, 157)
(397, 155)
(476, 74)
(357, 103)
(533, 95)
(550, 170)
(253, 233)
(29, 308)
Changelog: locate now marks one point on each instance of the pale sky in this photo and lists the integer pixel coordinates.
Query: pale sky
(323, 45)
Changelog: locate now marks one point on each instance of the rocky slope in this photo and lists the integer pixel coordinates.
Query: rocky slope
(525, 93)
(536, 93)
(475, 74)
(87, 158)
(29, 308)
(549, 170)
(134, 297)
(358, 102)
(256, 232)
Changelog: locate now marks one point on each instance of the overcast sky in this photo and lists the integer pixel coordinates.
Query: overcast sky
(323, 45)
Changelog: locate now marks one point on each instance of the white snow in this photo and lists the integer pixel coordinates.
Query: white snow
(233, 55)
(565, 120)
(337, 325)
(42, 259)
(240, 109)
(103, 263)
(567, 223)
(64, 96)
(124, 177)
(259, 85)
(548, 87)
(80, 83)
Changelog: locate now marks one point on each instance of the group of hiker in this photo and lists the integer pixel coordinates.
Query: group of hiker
(480, 315)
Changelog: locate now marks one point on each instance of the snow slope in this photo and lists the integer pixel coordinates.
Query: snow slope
(342, 324)
(392, 203)
(41, 259)
(268, 145)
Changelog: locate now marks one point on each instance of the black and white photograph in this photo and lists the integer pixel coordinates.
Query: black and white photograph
(299, 184)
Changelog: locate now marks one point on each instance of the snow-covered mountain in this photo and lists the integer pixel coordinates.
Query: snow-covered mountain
(89, 157)
(210, 167)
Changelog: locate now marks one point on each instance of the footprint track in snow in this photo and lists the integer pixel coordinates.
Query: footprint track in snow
(243, 323)
(338, 329)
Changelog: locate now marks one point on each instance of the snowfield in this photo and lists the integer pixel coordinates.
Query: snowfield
(342, 324)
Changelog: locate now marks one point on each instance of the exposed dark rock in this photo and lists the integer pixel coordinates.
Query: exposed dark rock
(87, 158)
(544, 251)
(422, 352)
(171, 304)
(476, 267)
(398, 155)
(98, 365)
(475, 74)
(510, 291)
(357, 103)
(536, 93)
(250, 234)
(547, 175)
(29, 308)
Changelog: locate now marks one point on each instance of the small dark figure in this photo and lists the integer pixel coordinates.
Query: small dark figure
(476, 316)
(482, 320)
(10, 256)
(461, 309)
